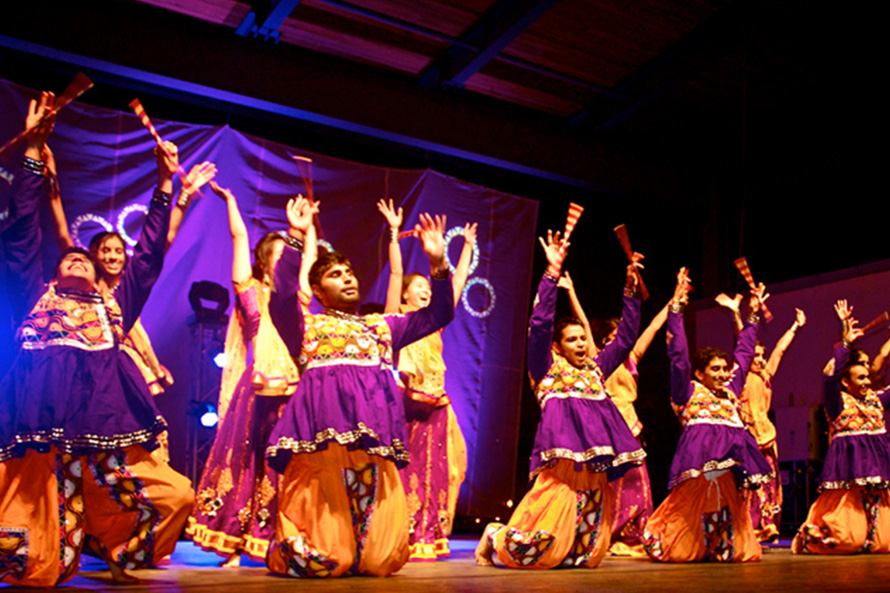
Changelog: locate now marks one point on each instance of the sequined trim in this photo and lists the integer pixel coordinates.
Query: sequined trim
(876, 482)
(717, 465)
(573, 395)
(332, 362)
(395, 451)
(856, 433)
(616, 460)
(78, 444)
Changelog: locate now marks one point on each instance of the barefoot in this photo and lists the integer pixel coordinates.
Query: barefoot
(485, 549)
(233, 561)
(121, 576)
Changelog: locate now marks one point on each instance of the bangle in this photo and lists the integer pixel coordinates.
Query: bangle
(161, 197)
(184, 199)
(393, 234)
(632, 292)
(754, 318)
(439, 273)
(549, 273)
(33, 165)
(794, 327)
(676, 308)
(846, 344)
(292, 241)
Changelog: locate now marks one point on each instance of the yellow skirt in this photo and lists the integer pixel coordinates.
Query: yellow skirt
(703, 519)
(340, 511)
(565, 519)
(846, 522)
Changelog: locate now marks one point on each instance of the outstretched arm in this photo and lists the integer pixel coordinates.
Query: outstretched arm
(462, 271)
(878, 363)
(310, 255)
(678, 348)
(831, 379)
(396, 272)
(772, 365)
(241, 269)
(733, 304)
(617, 351)
(744, 347)
(565, 282)
(60, 222)
(197, 177)
(540, 330)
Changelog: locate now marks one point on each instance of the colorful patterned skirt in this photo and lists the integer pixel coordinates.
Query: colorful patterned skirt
(703, 519)
(237, 494)
(633, 507)
(134, 507)
(765, 504)
(340, 512)
(846, 521)
(564, 520)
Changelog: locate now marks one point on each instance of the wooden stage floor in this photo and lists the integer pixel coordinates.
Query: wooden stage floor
(194, 571)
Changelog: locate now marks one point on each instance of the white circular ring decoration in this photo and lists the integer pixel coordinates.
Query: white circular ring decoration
(466, 302)
(451, 234)
(326, 245)
(122, 217)
(82, 220)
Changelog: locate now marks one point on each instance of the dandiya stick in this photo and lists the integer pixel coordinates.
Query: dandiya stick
(76, 88)
(621, 233)
(575, 211)
(304, 165)
(139, 110)
(742, 265)
(874, 322)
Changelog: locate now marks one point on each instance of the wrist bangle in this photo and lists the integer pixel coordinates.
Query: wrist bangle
(292, 241)
(795, 326)
(548, 273)
(439, 273)
(393, 234)
(184, 199)
(161, 197)
(753, 318)
(33, 165)
(846, 344)
(676, 308)
(631, 292)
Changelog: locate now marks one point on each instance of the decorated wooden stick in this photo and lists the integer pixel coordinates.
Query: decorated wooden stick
(575, 211)
(304, 164)
(742, 265)
(139, 110)
(78, 86)
(874, 322)
(621, 233)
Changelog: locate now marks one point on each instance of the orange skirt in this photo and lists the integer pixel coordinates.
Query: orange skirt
(50, 502)
(703, 520)
(565, 519)
(340, 511)
(846, 522)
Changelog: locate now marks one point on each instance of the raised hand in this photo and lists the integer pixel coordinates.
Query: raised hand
(801, 319)
(168, 160)
(843, 311)
(758, 297)
(198, 176)
(224, 193)
(682, 289)
(555, 251)
(37, 128)
(431, 232)
(633, 270)
(300, 213)
(851, 332)
(733, 304)
(565, 281)
(470, 233)
(393, 217)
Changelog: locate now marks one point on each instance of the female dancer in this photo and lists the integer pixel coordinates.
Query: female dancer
(237, 494)
(433, 477)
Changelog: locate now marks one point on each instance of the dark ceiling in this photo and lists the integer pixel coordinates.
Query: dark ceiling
(716, 128)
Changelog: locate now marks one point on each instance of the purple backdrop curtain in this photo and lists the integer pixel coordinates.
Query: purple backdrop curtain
(106, 167)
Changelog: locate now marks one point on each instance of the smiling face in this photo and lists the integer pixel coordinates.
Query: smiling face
(856, 381)
(417, 293)
(715, 374)
(572, 345)
(76, 271)
(338, 288)
(759, 362)
(111, 256)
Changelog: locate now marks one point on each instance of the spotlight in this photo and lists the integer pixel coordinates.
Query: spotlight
(205, 413)
(209, 301)
(219, 359)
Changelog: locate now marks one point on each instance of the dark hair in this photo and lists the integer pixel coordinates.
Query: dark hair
(69, 251)
(703, 356)
(853, 362)
(325, 262)
(407, 280)
(561, 324)
(99, 239)
(857, 356)
(602, 328)
(262, 254)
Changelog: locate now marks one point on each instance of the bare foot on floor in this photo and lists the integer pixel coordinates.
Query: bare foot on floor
(121, 576)
(485, 549)
(233, 561)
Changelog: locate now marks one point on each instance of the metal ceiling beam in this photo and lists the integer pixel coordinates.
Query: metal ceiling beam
(500, 26)
(278, 11)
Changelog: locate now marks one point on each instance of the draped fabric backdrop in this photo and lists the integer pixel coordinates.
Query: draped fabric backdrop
(107, 173)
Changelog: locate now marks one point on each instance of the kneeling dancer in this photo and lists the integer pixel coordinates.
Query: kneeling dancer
(341, 438)
(705, 518)
(582, 441)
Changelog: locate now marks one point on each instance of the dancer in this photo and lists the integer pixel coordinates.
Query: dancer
(764, 504)
(852, 512)
(77, 421)
(633, 492)
(436, 446)
(237, 494)
(582, 441)
(704, 516)
(341, 437)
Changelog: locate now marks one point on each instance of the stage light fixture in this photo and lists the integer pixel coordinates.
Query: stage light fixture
(209, 301)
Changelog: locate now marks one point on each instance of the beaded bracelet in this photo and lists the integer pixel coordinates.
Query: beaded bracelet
(292, 241)
(33, 165)
(161, 197)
